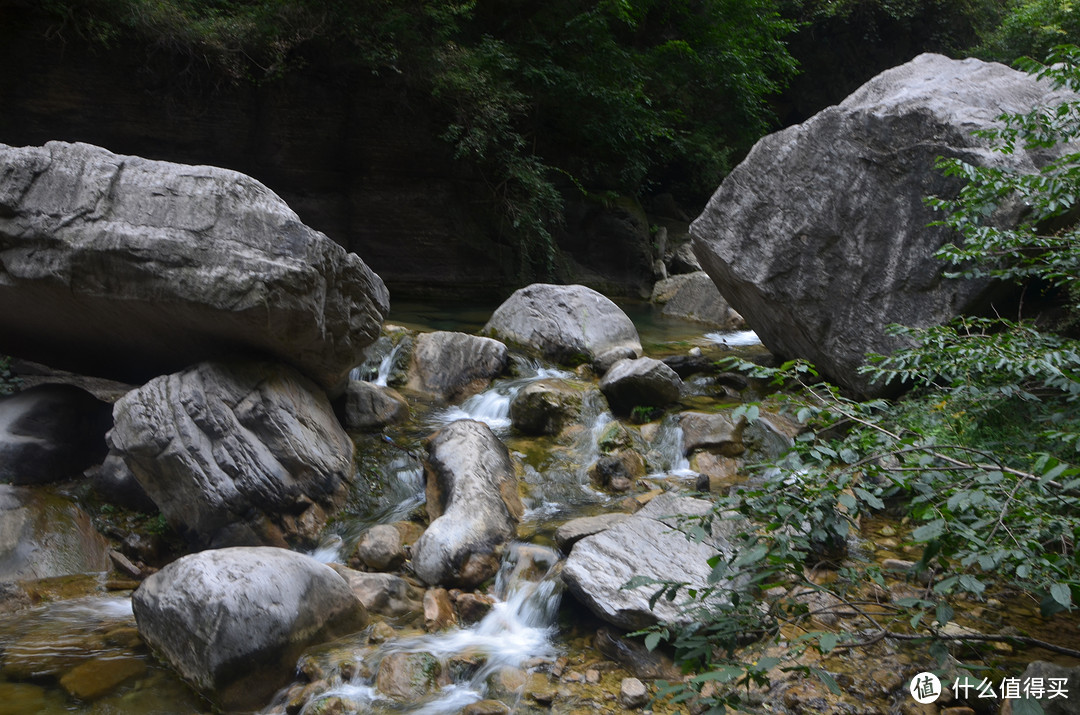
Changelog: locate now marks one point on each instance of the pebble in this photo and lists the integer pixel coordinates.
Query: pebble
(633, 694)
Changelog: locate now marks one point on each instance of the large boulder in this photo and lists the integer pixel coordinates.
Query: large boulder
(694, 296)
(569, 324)
(233, 622)
(546, 406)
(236, 453)
(129, 268)
(473, 504)
(820, 237)
(370, 407)
(650, 544)
(452, 366)
(644, 382)
(51, 432)
(44, 535)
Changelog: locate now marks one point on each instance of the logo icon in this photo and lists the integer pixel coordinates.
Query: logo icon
(925, 688)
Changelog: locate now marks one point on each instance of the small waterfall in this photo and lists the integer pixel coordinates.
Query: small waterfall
(378, 363)
(519, 628)
(492, 407)
(734, 338)
(669, 451)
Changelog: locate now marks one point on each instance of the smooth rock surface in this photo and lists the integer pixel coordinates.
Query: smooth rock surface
(44, 535)
(573, 531)
(452, 366)
(472, 502)
(382, 593)
(370, 407)
(694, 296)
(714, 431)
(236, 453)
(546, 406)
(51, 432)
(567, 323)
(123, 267)
(232, 622)
(645, 544)
(645, 382)
(820, 237)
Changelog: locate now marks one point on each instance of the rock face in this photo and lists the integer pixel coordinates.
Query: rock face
(129, 268)
(453, 366)
(51, 432)
(233, 621)
(43, 535)
(645, 544)
(694, 296)
(473, 504)
(371, 407)
(819, 237)
(568, 324)
(235, 453)
(645, 381)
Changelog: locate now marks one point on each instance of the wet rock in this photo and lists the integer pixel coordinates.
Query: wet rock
(18, 698)
(642, 382)
(44, 535)
(646, 544)
(486, 707)
(473, 504)
(236, 453)
(634, 656)
(622, 467)
(472, 607)
(683, 260)
(693, 296)
(51, 432)
(407, 677)
(453, 366)
(145, 267)
(546, 407)
(382, 593)
(95, 677)
(576, 529)
(369, 407)
(714, 431)
(438, 610)
(12, 598)
(603, 362)
(380, 548)
(232, 622)
(820, 238)
(115, 483)
(633, 694)
(570, 324)
(717, 471)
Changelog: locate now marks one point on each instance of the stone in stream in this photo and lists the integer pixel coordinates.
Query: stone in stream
(472, 502)
(236, 453)
(546, 406)
(382, 593)
(693, 296)
(452, 366)
(644, 382)
(714, 431)
(820, 238)
(370, 407)
(407, 677)
(568, 534)
(50, 433)
(570, 324)
(232, 622)
(380, 548)
(647, 544)
(44, 535)
(129, 268)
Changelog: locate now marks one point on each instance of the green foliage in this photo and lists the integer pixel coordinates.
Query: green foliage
(980, 458)
(1031, 28)
(540, 99)
(9, 381)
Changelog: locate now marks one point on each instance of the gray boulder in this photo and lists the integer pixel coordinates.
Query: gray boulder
(380, 548)
(453, 366)
(648, 544)
(233, 622)
(546, 406)
(472, 502)
(236, 453)
(51, 432)
(714, 431)
(645, 381)
(573, 531)
(382, 593)
(694, 296)
(129, 268)
(44, 535)
(569, 324)
(819, 238)
(371, 407)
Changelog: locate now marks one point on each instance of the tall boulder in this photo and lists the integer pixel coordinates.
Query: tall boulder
(820, 237)
(235, 454)
(566, 323)
(129, 268)
(233, 622)
(473, 504)
(452, 366)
